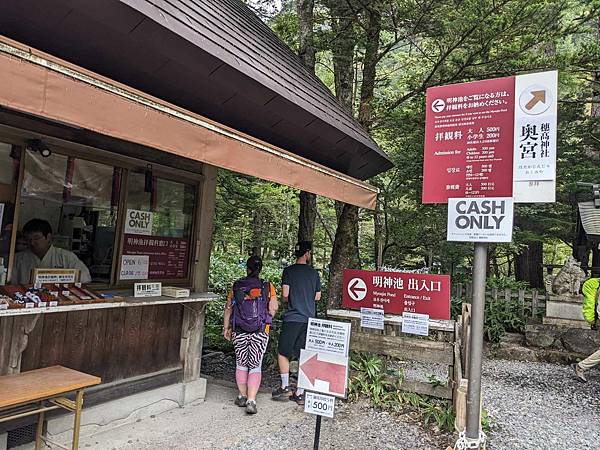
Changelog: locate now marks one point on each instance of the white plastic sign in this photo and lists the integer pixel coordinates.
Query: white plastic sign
(328, 336)
(147, 289)
(536, 96)
(319, 404)
(480, 219)
(326, 373)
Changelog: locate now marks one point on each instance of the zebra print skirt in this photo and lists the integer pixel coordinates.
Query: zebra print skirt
(250, 349)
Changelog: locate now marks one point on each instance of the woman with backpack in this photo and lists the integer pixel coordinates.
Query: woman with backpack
(251, 305)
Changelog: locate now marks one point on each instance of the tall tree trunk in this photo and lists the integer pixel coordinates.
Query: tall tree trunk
(528, 265)
(307, 217)
(344, 254)
(306, 51)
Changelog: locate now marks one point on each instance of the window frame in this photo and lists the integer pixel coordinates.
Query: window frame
(127, 165)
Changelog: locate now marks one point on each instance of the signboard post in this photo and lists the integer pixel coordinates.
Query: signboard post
(323, 368)
(488, 144)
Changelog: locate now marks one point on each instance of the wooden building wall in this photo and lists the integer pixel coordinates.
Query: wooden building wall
(114, 344)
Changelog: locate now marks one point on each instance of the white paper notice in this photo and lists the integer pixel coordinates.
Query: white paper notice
(134, 267)
(328, 336)
(414, 323)
(319, 404)
(138, 222)
(371, 318)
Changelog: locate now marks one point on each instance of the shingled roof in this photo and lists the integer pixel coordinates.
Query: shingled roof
(215, 58)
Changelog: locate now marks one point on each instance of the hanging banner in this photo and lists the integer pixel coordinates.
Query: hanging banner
(397, 292)
(492, 138)
(480, 219)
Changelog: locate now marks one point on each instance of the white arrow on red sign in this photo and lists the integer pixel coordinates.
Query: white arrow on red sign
(357, 289)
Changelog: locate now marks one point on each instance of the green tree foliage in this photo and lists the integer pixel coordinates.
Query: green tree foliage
(423, 43)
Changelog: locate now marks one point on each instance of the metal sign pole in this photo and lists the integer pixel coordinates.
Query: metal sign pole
(476, 344)
(317, 433)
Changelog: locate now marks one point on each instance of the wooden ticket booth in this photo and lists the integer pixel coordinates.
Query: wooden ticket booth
(117, 110)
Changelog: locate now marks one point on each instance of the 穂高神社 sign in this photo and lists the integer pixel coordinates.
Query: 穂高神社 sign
(478, 134)
(397, 292)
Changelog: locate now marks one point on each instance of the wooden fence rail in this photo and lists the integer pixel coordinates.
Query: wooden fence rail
(534, 299)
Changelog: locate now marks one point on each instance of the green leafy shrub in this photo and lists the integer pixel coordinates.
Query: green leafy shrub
(371, 379)
(502, 316)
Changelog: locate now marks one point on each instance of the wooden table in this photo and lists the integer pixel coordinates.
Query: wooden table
(42, 390)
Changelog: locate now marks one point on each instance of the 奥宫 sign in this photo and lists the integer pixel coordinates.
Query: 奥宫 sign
(480, 219)
(397, 292)
(492, 138)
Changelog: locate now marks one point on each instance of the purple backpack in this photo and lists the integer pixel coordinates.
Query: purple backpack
(250, 305)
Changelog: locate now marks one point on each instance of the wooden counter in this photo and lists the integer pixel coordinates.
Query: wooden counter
(127, 302)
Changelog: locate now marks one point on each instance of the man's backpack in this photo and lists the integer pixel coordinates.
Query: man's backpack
(250, 305)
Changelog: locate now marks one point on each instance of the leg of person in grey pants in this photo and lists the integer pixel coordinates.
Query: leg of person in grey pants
(587, 364)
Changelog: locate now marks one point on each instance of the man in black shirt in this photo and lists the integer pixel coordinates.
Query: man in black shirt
(301, 288)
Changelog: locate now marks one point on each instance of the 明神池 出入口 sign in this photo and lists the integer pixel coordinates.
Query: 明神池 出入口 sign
(397, 292)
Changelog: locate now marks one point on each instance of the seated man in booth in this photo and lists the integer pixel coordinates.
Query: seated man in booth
(41, 254)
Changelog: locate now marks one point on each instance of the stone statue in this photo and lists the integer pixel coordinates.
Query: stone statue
(569, 278)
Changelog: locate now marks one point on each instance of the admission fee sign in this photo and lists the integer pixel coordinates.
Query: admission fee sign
(323, 364)
(397, 292)
(492, 138)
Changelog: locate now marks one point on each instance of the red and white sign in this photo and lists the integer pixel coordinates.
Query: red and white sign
(323, 372)
(397, 292)
(469, 140)
(478, 134)
(168, 256)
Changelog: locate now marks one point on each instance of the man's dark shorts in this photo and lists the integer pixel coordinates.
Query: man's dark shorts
(292, 339)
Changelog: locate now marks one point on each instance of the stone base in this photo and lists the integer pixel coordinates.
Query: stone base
(578, 341)
(3, 441)
(567, 307)
(515, 352)
(568, 323)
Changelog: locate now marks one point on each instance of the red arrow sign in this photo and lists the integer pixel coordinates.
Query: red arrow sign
(334, 374)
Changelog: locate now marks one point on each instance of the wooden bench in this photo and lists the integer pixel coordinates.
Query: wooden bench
(39, 391)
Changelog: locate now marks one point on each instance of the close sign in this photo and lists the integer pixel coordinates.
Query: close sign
(480, 219)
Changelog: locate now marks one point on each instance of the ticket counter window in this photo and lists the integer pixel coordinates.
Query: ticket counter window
(9, 176)
(79, 199)
(158, 227)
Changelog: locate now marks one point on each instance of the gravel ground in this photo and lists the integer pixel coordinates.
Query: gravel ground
(355, 426)
(537, 406)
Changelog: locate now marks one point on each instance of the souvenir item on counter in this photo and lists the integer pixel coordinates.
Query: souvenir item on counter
(175, 292)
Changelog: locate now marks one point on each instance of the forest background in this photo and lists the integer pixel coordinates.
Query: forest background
(378, 57)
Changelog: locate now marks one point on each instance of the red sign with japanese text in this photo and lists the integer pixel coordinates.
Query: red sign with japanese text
(469, 140)
(396, 292)
(168, 256)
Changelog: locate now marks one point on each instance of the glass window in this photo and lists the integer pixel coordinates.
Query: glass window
(9, 176)
(79, 199)
(158, 226)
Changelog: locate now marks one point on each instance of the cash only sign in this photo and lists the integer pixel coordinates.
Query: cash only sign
(488, 144)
